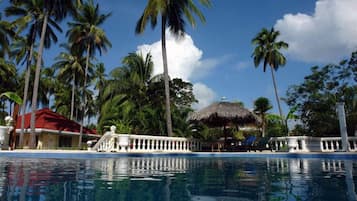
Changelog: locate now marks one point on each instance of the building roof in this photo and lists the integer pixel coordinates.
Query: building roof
(49, 120)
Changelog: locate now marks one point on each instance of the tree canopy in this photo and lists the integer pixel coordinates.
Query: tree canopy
(316, 97)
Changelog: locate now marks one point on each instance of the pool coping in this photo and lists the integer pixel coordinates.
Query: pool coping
(64, 154)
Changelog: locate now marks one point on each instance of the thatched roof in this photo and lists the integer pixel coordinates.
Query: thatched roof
(223, 113)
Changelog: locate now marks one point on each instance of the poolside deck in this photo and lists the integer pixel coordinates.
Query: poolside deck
(68, 154)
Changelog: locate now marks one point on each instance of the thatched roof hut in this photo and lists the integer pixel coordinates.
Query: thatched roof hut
(224, 113)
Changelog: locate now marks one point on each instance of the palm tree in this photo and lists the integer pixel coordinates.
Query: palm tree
(41, 13)
(171, 13)
(100, 82)
(23, 49)
(267, 51)
(86, 35)
(124, 96)
(28, 16)
(261, 106)
(6, 34)
(70, 65)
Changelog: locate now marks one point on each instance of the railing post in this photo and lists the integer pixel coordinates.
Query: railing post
(343, 127)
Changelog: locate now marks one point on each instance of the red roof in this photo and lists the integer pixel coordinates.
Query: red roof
(47, 119)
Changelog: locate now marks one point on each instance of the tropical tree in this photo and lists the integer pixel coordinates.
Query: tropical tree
(7, 75)
(70, 68)
(100, 81)
(125, 95)
(6, 34)
(315, 98)
(267, 50)
(275, 126)
(12, 97)
(23, 48)
(7, 68)
(41, 13)
(133, 99)
(261, 107)
(85, 33)
(172, 15)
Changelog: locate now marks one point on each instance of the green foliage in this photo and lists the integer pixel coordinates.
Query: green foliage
(122, 127)
(239, 135)
(172, 15)
(12, 96)
(275, 127)
(261, 106)
(136, 100)
(315, 99)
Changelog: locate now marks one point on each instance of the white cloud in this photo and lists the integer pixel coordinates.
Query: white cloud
(326, 36)
(203, 94)
(185, 62)
(183, 56)
(241, 65)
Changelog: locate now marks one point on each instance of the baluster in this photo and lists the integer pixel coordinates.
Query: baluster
(116, 144)
(140, 145)
(281, 144)
(133, 144)
(157, 145)
(337, 145)
(161, 144)
(145, 145)
(149, 145)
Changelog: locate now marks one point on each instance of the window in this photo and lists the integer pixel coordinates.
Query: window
(65, 141)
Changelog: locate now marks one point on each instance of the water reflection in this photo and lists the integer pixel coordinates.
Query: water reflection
(177, 179)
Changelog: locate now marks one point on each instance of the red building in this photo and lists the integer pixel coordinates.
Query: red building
(53, 130)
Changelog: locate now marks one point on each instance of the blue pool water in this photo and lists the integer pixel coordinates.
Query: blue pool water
(178, 178)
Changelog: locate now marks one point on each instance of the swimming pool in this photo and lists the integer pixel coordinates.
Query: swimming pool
(178, 178)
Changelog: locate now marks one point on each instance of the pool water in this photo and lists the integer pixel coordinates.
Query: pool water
(176, 178)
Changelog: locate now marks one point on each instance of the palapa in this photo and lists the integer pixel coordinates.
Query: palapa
(224, 113)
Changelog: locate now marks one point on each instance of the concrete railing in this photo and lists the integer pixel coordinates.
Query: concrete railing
(311, 144)
(112, 142)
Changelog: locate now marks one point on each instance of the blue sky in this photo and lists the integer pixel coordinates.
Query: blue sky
(216, 56)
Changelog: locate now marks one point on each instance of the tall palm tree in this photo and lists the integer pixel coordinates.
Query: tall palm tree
(172, 15)
(261, 106)
(28, 13)
(70, 66)
(23, 50)
(42, 13)
(267, 50)
(85, 33)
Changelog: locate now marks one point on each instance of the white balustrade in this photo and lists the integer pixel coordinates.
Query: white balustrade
(331, 144)
(311, 144)
(111, 142)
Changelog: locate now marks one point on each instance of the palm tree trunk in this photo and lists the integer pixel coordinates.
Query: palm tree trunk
(166, 78)
(26, 88)
(84, 98)
(72, 98)
(276, 95)
(36, 82)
